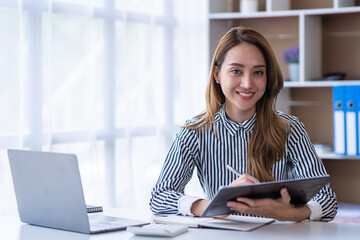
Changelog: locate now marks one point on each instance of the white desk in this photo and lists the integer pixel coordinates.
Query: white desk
(11, 228)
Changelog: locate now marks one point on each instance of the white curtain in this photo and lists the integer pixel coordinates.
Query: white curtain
(108, 80)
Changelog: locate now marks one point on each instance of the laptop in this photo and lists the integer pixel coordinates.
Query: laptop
(49, 193)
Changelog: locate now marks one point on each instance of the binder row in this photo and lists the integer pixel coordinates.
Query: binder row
(346, 115)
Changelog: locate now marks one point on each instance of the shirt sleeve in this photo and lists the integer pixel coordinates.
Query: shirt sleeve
(315, 210)
(306, 163)
(185, 203)
(175, 174)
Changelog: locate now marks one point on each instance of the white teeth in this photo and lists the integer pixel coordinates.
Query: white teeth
(245, 94)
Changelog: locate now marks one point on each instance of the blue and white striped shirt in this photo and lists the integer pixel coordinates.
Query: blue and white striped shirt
(210, 154)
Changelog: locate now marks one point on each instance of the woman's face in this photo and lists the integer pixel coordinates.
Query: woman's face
(242, 78)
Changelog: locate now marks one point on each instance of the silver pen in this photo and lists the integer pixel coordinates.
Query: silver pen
(231, 169)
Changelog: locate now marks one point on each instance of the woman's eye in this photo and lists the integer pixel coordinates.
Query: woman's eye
(235, 71)
(259, 73)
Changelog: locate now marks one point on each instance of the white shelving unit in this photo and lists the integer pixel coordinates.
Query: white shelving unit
(308, 29)
(328, 35)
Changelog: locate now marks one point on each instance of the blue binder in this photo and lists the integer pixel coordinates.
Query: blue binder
(357, 109)
(350, 121)
(339, 120)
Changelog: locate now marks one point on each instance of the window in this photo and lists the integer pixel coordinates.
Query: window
(108, 80)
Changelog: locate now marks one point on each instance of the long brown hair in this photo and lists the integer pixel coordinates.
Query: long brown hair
(267, 141)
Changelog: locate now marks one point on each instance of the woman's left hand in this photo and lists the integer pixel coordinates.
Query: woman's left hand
(279, 209)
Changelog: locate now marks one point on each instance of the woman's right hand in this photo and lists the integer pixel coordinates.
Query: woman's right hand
(245, 179)
(199, 206)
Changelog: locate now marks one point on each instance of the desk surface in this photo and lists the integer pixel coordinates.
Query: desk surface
(11, 228)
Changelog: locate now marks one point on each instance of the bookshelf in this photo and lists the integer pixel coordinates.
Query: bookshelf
(328, 35)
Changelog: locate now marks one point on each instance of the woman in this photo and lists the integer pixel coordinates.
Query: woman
(242, 128)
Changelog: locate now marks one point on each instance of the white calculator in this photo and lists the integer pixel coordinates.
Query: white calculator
(159, 230)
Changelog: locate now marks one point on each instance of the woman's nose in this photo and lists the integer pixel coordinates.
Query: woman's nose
(246, 81)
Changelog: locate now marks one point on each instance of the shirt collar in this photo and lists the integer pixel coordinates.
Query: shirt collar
(233, 127)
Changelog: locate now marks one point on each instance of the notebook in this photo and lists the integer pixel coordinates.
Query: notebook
(232, 222)
(49, 193)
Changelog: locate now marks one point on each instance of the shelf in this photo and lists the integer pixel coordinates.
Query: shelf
(289, 84)
(239, 15)
(282, 13)
(333, 156)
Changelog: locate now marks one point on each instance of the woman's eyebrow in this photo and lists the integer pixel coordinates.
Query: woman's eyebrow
(242, 65)
(260, 66)
(236, 64)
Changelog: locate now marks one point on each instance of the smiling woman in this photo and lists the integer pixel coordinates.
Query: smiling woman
(242, 128)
